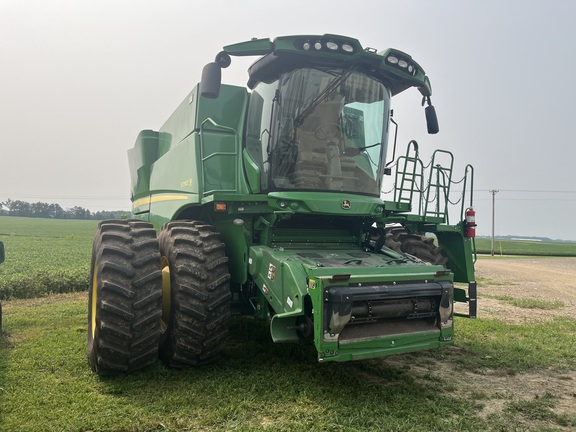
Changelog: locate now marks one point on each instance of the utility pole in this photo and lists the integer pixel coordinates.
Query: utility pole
(493, 192)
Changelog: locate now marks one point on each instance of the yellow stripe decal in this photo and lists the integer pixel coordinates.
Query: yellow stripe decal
(158, 198)
(140, 202)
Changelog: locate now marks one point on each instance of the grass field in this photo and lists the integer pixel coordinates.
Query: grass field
(46, 383)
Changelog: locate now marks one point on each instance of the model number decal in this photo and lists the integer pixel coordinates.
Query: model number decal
(185, 183)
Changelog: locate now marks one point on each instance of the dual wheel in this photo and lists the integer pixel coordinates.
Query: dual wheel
(149, 296)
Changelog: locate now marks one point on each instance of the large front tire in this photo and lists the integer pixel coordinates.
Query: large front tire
(197, 293)
(124, 305)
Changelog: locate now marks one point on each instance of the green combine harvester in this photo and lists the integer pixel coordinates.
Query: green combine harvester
(267, 201)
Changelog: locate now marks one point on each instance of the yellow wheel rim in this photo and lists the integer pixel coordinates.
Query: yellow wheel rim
(166, 292)
(94, 299)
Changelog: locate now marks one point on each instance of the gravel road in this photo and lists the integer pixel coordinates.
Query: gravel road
(549, 279)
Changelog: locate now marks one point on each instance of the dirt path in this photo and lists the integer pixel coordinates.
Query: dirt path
(549, 279)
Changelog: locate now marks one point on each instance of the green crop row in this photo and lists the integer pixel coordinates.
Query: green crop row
(43, 282)
(44, 256)
(522, 247)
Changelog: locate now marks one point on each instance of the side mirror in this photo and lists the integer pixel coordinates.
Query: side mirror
(211, 78)
(431, 119)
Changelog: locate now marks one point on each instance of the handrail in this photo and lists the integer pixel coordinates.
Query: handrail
(469, 169)
(440, 180)
(434, 198)
(408, 177)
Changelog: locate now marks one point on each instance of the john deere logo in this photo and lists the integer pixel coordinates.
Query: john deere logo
(346, 204)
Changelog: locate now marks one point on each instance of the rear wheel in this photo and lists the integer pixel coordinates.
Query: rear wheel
(196, 290)
(422, 247)
(124, 305)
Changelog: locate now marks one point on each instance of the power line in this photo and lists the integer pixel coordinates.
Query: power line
(528, 191)
(518, 190)
(527, 199)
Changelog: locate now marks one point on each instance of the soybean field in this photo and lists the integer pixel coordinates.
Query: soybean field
(44, 256)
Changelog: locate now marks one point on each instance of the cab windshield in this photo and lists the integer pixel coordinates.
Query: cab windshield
(321, 130)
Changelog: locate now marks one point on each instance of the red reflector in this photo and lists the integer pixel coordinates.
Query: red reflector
(220, 206)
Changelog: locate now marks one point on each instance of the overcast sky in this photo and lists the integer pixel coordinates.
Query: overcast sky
(80, 79)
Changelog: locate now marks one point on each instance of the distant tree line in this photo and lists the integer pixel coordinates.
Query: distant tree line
(55, 211)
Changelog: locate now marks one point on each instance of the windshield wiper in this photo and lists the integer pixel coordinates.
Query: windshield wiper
(370, 146)
(316, 101)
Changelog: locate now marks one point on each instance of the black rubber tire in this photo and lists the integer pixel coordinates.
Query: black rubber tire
(199, 293)
(422, 247)
(125, 295)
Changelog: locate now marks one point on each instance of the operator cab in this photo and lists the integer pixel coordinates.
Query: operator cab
(319, 110)
(319, 129)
